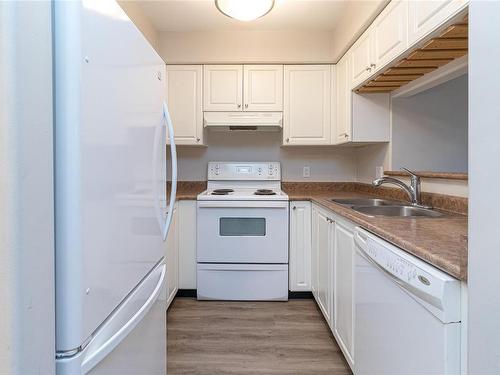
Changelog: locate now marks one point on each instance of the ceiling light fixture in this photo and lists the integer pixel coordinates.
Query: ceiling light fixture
(244, 10)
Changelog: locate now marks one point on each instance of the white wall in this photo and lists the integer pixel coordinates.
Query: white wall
(244, 46)
(27, 317)
(136, 14)
(484, 177)
(429, 130)
(370, 157)
(326, 163)
(270, 46)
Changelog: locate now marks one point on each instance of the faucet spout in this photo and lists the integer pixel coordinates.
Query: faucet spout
(407, 189)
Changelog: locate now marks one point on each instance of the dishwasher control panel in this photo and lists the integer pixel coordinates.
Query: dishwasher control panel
(396, 265)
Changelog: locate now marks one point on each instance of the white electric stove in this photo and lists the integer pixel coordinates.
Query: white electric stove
(242, 233)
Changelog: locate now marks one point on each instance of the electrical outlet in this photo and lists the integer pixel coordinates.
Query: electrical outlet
(306, 172)
(379, 171)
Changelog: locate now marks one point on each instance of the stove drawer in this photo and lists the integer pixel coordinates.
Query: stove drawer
(242, 232)
(242, 282)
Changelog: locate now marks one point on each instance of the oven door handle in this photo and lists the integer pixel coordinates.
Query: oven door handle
(242, 204)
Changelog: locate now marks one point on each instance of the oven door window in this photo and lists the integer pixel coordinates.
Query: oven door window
(242, 226)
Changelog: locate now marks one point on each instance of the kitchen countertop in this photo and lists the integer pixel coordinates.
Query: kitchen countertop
(188, 190)
(441, 242)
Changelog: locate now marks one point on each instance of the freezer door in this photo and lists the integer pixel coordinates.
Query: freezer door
(110, 163)
(132, 340)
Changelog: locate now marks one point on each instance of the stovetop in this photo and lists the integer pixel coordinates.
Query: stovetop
(239, 194)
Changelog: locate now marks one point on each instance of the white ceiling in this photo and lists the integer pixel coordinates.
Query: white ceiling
(202, 15)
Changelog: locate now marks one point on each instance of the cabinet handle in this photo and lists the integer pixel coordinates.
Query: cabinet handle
(287, 140)
(239, 105)
(368, 69)
(197, 139)
(246, 105)
(294, 208)
(372, 65)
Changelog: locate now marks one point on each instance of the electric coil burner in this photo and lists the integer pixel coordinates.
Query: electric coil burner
(242, 233)
(265, 192)
(222, 191)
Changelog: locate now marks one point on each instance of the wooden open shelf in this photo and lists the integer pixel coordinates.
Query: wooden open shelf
(451, 44)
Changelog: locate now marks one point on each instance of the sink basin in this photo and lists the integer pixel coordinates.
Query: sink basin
(397, 211)
(366, 202)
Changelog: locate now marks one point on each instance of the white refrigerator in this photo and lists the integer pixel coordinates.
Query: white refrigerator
(111, 211)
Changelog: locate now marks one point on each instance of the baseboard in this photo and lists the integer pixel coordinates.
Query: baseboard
(300, 295)
(191, 293)
(186, 293)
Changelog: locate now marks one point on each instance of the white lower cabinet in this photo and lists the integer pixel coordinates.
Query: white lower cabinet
(332, 270)
(322, 266)
(343, 281)
(300, 247)
(172, 257)
(187, 244)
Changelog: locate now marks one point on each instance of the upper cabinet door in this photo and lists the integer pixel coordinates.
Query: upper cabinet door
(222, 87)
(343, 128)
(390, 34)
(263, 87)
(427, 15)
(361, 58)
(184, 103)
(307, 103)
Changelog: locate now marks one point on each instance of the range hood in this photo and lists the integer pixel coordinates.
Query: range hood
(243, 121)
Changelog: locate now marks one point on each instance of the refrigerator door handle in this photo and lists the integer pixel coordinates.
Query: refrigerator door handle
(95, 356)
(173, 155)
(159, 143)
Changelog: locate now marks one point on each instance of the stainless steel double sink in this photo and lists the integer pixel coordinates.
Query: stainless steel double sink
(383, 207)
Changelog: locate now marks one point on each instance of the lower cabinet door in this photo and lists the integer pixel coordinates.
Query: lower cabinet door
(300, 246)
(172, 258)
(314, 251)
(343, 322)
(323, 262)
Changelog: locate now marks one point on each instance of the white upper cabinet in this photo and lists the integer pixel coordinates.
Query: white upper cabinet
(360, 118)
(390, 34)
(263, 87)
(222, 87)
(361, 58)
(427, 15)
(342, 129)
(184, 99)
(307, 105)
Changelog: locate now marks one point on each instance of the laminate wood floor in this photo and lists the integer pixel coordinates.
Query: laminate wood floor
(217, 338)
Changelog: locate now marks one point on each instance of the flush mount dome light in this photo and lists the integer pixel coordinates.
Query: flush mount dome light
(244, 10)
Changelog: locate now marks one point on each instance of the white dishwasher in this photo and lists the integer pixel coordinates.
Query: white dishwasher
(407, 313)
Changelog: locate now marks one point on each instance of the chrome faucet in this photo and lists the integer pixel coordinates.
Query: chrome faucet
(413, 190)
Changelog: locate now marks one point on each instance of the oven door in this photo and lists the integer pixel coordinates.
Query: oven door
(242, 232)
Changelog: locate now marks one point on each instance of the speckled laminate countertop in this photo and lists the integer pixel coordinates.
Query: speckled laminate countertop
(441, 242)
(188, 190)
